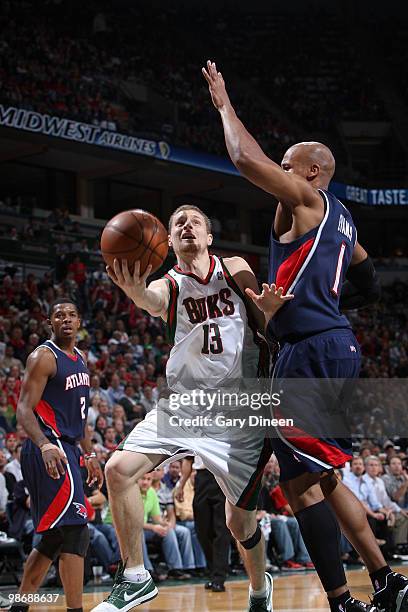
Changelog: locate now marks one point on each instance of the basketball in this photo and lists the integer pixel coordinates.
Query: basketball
(135, 235)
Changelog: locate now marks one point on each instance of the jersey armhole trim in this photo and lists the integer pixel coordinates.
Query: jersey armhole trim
(231, 282)
(55, 355)
(172, 308)
(49, 348)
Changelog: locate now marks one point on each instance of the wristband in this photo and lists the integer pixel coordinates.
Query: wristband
(48, 446)
(90, 456)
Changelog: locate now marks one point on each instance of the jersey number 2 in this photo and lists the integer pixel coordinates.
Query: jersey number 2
(83, 405)
(212, 343)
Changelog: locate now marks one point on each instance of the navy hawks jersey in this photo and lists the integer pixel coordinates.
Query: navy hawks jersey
(63, 408)
(313, 267)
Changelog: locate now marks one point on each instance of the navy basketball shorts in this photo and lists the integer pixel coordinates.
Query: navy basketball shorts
(54, 503)
(314, 378)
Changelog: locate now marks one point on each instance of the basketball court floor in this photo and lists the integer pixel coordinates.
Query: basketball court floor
(292, 593)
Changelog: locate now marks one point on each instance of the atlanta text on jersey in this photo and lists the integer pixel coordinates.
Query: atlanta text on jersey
(77, 380)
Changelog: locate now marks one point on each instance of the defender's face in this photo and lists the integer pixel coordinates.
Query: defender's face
(188, 233)
(294, 162)
(65, 321)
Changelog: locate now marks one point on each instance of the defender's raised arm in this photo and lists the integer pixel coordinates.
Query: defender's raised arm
(247, 155)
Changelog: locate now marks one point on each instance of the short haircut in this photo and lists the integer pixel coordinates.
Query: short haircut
(191, 207)
(357, 458)
(62, 300)
(371, 458)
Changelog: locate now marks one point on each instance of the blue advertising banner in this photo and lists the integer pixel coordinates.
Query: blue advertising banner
(69, 129)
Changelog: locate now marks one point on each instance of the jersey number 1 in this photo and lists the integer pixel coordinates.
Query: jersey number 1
(212, 343)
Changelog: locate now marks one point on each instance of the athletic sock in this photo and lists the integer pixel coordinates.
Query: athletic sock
(338, 604)
(321, 534)
(379, 577)
(260, 593)
(138, 573)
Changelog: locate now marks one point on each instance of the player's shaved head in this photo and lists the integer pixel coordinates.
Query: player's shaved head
(314, 156)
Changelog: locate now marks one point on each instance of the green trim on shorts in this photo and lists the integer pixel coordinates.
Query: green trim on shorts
(122, 444)
(249, 497)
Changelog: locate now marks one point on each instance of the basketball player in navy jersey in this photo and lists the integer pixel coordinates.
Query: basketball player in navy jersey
(313, 249)
(53, 409)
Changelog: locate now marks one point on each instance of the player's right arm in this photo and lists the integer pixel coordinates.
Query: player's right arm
(247, 155)
(39, 368)
(154, 298)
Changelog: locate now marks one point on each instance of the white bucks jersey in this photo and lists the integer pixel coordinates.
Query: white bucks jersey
(208, 325)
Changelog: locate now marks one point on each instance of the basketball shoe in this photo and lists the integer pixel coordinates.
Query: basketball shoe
(394, 596)
(354, 605)
(263, 604)
(126, 595)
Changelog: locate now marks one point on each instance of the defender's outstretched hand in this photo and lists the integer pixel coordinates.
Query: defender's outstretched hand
(270, 300)
(216, 85)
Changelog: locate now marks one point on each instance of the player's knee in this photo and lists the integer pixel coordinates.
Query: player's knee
(50, 543)
(75, 540)
(115, 478)
(240, 529)
(119, 475)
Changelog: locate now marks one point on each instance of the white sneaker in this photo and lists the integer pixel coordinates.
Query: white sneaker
(263, 604)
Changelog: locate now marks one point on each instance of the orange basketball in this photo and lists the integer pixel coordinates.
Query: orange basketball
(135, 235)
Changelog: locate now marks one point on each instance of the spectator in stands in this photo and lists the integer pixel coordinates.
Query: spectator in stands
(183, 534)
(115, 389)
(14, 466)
(131, 402)
(376, 514)
(397, 518)
(185, 517)
(172, 476)
(12, 389)
(396, 482)
(157, 529)
(109, 441)
(100, 427)
(285, 532)
(104, 411)
(96, 389)
(9, 359)
(147, 401)
(5, 422)
(7, 483)
(11, 445)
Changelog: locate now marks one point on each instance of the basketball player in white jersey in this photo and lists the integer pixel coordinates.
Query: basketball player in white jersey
(202, 301)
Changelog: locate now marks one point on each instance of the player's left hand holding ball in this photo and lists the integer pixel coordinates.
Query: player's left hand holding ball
(95, 474)
(270, 300)
(216, 85)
